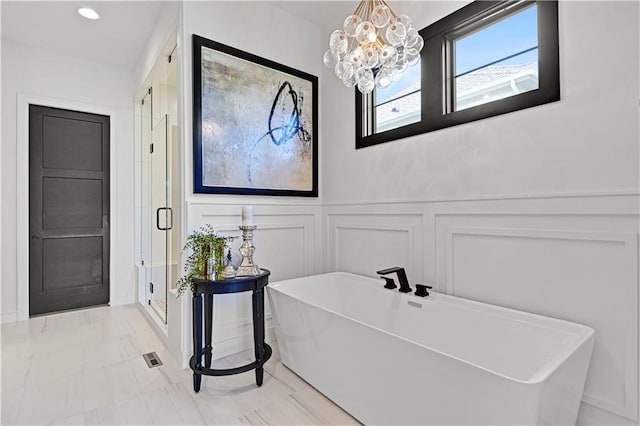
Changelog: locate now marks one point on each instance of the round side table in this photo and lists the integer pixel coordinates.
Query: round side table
(204, 291)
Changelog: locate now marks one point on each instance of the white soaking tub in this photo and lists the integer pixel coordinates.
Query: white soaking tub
(392, 358)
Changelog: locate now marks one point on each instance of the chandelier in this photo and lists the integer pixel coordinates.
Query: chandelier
(374, 47)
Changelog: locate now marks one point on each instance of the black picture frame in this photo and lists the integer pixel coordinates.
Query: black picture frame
(280, 97)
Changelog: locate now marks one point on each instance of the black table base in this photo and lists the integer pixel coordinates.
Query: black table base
(231, 371)
(205, 289)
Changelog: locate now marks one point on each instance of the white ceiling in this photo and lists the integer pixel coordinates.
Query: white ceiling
(322, 12)
(330, 14)
(116, 39)
(124, 27)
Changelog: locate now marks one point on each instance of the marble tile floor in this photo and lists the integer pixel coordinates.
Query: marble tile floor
(86, 368)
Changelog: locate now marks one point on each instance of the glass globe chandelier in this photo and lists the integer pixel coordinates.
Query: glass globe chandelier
(374, 47)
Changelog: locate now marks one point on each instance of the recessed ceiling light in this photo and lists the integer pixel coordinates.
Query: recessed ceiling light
(88, 13)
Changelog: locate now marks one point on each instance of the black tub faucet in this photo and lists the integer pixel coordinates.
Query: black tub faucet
(402, 278)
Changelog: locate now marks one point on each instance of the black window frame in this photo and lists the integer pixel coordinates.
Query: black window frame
(437, 96)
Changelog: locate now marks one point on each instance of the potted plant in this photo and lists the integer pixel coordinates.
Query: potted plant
(206, 259)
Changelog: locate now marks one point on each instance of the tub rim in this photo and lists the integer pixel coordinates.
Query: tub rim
(541, 375)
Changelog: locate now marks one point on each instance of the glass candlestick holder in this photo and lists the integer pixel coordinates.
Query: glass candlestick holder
(247, 268)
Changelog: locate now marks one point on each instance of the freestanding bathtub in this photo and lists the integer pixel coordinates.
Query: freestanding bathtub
(392, 358)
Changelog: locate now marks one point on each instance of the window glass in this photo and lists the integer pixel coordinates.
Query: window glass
(497, 61)
(398, 104)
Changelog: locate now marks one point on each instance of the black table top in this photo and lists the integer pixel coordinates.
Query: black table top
(232, 285)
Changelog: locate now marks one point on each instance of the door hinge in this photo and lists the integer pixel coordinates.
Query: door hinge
(143, 102)
(149, 90)
(151, 149)
(142, 262)
(150, 287)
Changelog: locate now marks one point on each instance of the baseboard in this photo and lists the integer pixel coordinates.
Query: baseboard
(592, 416)
(122, 301)
(6, 317)
(237, 344)
(230, 346)
(158, 327)
(240, 340)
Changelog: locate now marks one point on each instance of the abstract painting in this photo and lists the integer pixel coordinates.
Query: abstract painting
(254, 124)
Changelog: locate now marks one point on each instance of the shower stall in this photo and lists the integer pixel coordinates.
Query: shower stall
(158, 197)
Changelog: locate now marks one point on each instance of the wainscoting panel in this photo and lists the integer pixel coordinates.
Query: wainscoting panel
(286, 242)
(585, 277)
(364, 243)
(573, 258)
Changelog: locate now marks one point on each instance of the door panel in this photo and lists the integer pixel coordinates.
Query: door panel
(68, 209)
(72, 144)
(72, 262)
(72, 203)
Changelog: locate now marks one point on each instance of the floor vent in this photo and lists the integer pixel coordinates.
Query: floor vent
(152, 359)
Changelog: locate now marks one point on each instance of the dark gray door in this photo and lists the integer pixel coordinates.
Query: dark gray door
(68, 209)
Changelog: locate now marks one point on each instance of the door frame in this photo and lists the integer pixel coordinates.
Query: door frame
(22, 198)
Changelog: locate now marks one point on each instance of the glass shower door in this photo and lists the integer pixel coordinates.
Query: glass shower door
(159, 190)
(162, 220)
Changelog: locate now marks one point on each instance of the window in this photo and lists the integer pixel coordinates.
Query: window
(398, 104)
(497, 61)
(486, 59)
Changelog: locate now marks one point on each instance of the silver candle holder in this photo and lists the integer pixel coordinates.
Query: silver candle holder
(247, 268)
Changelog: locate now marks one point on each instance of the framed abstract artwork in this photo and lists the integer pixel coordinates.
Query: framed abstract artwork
(255, 124)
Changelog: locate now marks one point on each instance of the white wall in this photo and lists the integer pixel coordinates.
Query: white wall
(36, 72)
(167, 23)
(288, 239)
(2, 317)
(585, 143)
(258, 28)
(535, 210)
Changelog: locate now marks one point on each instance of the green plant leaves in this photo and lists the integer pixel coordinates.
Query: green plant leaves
(202, 244)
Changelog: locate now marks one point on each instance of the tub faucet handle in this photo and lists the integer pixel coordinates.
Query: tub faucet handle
(389, 283)
(421, 290)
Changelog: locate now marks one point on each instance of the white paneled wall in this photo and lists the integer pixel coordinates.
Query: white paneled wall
(365, 243)
(574, 258)
(569, 253)
(287, 242)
